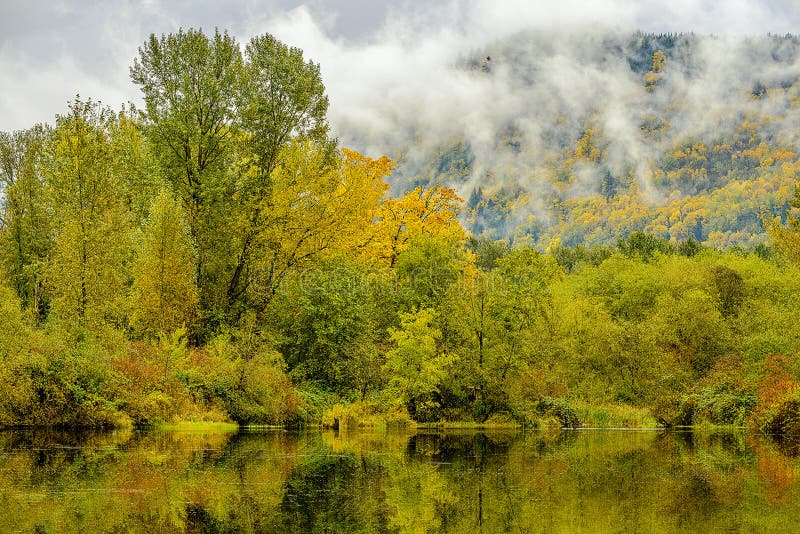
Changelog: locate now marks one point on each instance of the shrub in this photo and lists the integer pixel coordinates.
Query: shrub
(782, 417)
(724, 406)
(778, 410)
(561, 410)
(253, 387)
(531, 413)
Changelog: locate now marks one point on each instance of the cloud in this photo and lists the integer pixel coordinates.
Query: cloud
(40, 39)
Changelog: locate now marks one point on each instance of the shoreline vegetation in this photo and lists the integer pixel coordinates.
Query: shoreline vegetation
(216, 257)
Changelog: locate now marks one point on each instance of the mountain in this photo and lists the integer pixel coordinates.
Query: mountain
(585, 138)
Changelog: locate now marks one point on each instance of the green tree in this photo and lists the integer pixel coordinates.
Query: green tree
(281, 97)
(164, 294)
(190, 83)
(524, 311)
(608, 185)
(427, 269)
(488, 251)
(417, 366)
(325, 320)
(728, 287)
(643, 246)
(25, 237)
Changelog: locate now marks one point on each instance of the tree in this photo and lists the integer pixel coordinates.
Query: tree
(786, 238)
(524, 311)
(417, 366)
(190, 83)
(86, 273)
(25, 237)
(281, 98)
(471, 330)
(164, 294)
(643, 246)
(727, 286)
(652, 78)
(399, 221)
(608, 185)
(659, 60)
(427, 269)
(136, 165)
(326, 322)
(690, 326)
(314, 210)
(16, 336)
(488, 251)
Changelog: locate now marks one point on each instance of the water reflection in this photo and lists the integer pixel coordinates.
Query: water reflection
(277, 481)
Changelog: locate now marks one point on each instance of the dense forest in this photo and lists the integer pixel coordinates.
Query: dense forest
(216, 255)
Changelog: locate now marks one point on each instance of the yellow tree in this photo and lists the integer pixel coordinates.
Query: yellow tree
(164, 293)
(653, 76)
(87, 270)
(787, 238)
(398, 221)
(313, 209)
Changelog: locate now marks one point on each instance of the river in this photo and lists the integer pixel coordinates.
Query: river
(465, 481)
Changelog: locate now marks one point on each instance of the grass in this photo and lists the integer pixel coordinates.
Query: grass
(365, 415)
(198, 426)
(615, 416)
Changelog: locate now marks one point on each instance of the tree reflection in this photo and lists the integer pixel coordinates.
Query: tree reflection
(599, 481)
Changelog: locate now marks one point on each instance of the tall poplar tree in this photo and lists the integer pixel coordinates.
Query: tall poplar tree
(189, 82)
(87, 270)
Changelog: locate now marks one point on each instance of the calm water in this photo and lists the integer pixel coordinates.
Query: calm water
(274, 481)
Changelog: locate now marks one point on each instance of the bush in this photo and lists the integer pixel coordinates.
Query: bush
(258, 391)
(778, 410)
(166, 383)
(722, 406)
(365, 414)
(72, 383)
(532, 413)
(782, 417)
(561, 410)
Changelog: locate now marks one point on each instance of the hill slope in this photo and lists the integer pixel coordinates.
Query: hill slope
(587, 138)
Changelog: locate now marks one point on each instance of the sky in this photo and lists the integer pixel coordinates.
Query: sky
(51, 50)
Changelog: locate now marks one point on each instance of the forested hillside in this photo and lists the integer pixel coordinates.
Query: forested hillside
(217, 255)
(584, 138)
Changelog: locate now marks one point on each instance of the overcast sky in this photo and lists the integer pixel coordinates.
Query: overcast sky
(52, 49)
